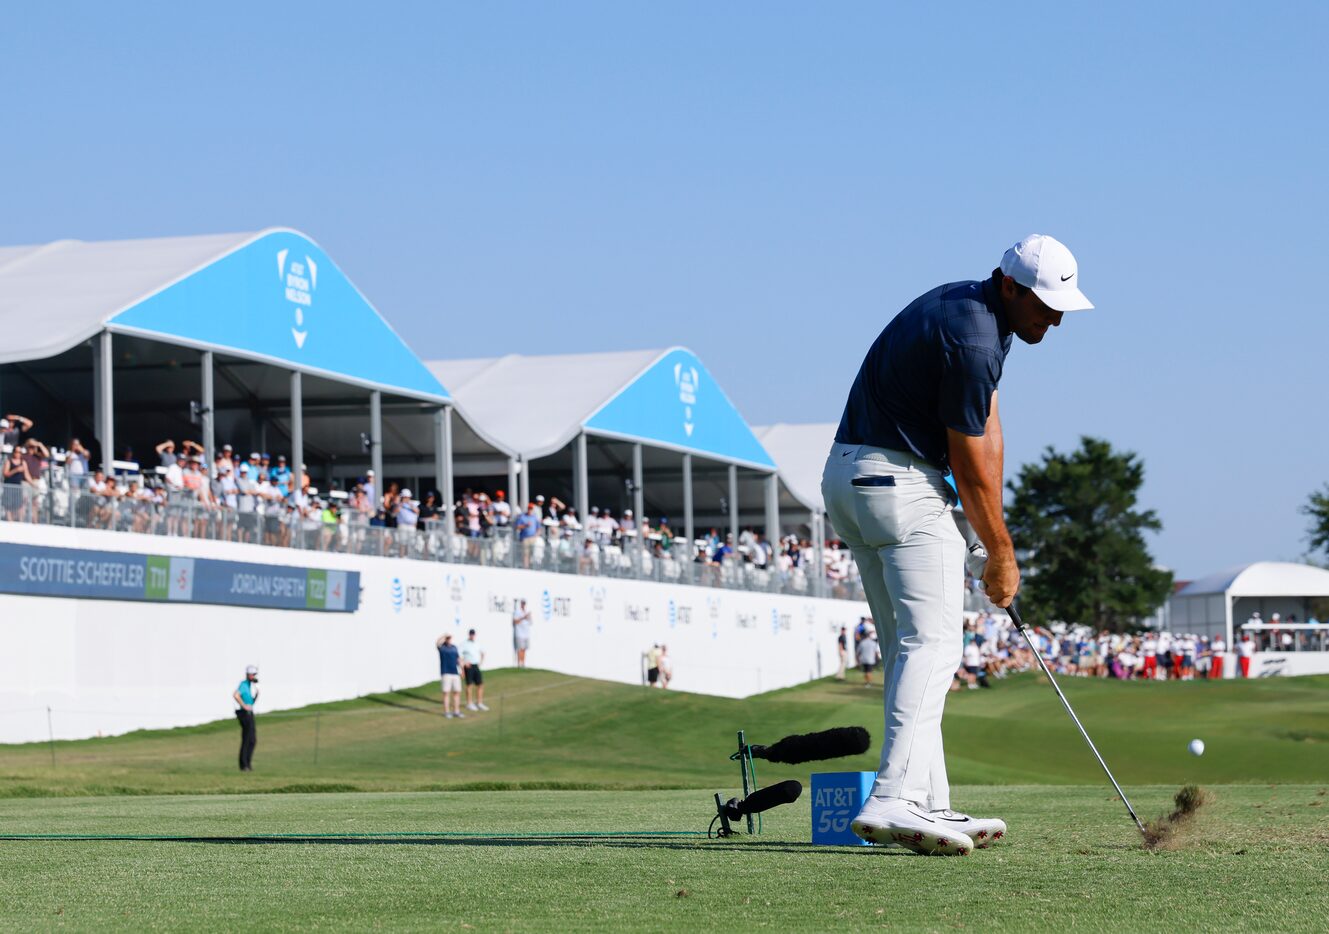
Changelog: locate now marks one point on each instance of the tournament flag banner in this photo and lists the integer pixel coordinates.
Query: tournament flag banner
(37, 570)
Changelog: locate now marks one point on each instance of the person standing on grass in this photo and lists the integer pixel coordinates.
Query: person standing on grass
(924, 405)
(471, 658)
(653, 666)
(666, 666)
(842, 647)
(869, 653)
(1245, 651)
(449, 681)
(521, 631)
(1218, 648)
(245, 697)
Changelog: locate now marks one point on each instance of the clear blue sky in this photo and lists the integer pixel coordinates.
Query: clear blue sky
(764, 183)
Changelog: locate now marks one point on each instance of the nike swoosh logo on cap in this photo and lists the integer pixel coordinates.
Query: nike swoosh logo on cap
(1064, 278)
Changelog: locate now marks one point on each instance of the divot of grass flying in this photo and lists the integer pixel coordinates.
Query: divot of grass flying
(1162, 832)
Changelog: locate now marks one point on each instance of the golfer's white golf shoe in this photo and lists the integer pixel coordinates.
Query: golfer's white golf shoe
(984, 831)
(906, 824)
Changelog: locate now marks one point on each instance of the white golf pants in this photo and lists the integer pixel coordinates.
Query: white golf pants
(893, 510)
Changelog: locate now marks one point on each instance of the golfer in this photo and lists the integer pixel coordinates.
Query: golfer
(245, 697)
(924, 404)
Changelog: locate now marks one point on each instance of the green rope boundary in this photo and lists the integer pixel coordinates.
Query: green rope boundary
(406, 834)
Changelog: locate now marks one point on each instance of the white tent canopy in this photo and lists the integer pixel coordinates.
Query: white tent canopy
(535, 405)
(800, 453)
(1208, 606)
(76, 287)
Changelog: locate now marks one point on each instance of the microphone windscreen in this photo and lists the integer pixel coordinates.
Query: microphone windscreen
(763, 799)
(810, 747)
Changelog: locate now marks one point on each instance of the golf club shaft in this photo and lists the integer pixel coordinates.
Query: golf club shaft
(1015, 617)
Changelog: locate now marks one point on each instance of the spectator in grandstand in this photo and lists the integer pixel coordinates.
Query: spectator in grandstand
(36, 460)
(429, 509)
(528, 530)
(246, 504)
(245, 697)
(588, 562)
(868, 655)
(627, 526)
(77, 460)
(12, 427)
(501, 509)
(724, 551)
(664, 537)
(408, 517)
(15, 478)
(569, 522)
(521, 631)
(281, 476)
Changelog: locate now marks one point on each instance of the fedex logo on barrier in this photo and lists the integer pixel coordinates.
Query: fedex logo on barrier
(836, 800)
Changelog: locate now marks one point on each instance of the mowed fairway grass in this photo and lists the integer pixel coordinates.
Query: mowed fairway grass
(588, 799)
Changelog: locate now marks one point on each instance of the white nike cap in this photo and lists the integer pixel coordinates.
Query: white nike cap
(1043, 264)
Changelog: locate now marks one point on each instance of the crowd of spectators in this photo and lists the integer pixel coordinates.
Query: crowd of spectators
(993, 648)
(262, 499)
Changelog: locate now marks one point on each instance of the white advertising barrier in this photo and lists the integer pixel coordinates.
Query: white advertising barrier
(104, 667)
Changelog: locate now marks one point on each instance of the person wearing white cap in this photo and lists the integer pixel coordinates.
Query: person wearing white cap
(245, 697)
(924, 404)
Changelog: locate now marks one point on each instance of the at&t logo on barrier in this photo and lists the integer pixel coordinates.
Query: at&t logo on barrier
(408, 596)
(551, 606)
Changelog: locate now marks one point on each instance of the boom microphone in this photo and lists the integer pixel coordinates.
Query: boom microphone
(763, 799)
(809, 747)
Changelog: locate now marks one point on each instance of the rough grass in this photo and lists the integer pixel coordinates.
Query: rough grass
(549, 731)
(1072, 861)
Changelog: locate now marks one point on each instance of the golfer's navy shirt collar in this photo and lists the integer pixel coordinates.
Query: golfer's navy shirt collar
(992, 298)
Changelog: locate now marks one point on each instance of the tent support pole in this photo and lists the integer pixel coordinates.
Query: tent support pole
(689, 530)
(638, 494)
(376, 441)
(106, 401)
(733, 502)
(207, 417)
(297, 464)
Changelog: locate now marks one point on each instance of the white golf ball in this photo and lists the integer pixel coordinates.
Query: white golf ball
(1197, 747)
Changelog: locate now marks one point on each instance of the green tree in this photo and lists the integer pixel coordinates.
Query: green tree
(1080, 539)
(1317, 507)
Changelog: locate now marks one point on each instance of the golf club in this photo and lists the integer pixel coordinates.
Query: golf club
(1019, 624)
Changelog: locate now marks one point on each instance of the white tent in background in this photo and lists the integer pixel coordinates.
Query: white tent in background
(1208, 606)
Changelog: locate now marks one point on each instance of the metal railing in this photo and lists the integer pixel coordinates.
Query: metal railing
(185, 515)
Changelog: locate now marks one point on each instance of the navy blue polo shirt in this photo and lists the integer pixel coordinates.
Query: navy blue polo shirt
(448, 658)
(934, 367)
